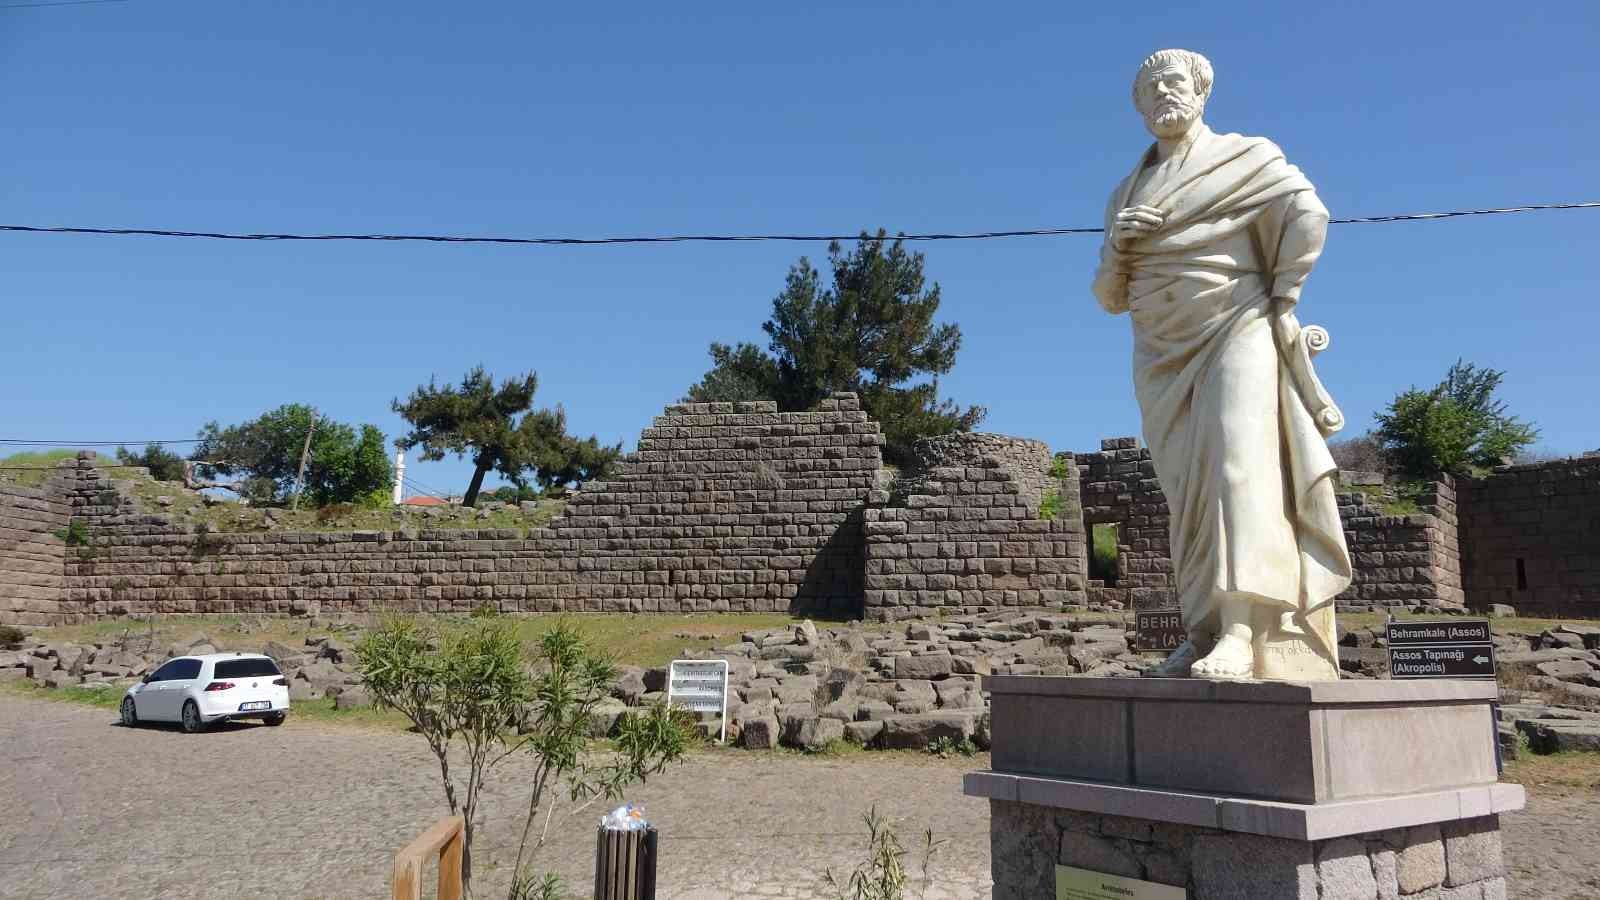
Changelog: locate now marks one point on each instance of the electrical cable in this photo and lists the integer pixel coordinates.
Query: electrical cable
(719, 238)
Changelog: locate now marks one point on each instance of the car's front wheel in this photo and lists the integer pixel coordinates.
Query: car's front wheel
(191, 718)
(130, 716)
(275, 718)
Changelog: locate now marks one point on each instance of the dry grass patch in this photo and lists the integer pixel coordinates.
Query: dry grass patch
(1555, 773)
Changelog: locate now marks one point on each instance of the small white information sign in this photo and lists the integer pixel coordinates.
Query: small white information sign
(1082, 884)
(700, 685)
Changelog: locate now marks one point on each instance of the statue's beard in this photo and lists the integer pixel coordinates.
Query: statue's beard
(1170, 118)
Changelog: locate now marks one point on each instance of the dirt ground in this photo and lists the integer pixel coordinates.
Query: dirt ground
(317, 810)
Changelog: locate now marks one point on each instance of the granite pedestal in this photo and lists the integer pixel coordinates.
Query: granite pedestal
(1317, 790)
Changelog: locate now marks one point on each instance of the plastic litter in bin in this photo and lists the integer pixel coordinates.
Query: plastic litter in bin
(627, 817)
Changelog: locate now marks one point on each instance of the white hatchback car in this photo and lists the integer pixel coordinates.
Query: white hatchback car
(198, 690)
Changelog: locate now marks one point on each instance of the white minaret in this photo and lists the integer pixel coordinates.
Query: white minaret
(399, 475)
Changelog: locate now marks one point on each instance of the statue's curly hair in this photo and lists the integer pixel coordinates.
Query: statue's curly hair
(1199, 71)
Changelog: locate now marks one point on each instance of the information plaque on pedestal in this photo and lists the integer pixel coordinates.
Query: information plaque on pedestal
(1083, 884)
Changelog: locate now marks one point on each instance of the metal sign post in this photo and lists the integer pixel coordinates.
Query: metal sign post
(700, 685)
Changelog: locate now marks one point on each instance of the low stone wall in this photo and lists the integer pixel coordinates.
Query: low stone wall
(31, 555)
(724, 507)
(1530, 537)
(965, 532)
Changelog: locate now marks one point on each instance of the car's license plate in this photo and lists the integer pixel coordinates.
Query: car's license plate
(258, 704)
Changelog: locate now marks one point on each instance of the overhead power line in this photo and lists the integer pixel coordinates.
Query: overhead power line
(57, 3)
(713, 238)
(22, 442)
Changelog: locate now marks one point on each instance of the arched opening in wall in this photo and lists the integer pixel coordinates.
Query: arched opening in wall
(1103, 540)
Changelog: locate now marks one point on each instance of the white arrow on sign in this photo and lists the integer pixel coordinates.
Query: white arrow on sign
(1480, 659)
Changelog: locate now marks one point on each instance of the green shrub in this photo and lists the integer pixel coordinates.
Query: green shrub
(1062, 466)
(1050, 505)
(11, 635)
(883, 876)
(76, 534)
(947, 746)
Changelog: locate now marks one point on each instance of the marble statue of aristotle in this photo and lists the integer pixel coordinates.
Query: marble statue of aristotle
(1208, 243)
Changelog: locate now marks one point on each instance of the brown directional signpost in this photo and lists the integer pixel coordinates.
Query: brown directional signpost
(1441, 649)
(1159, 630)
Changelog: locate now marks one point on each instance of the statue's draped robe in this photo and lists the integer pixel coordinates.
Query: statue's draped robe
(1246, 472)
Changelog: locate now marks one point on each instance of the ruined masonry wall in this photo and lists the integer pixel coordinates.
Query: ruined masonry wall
(965, 533)
(31, 555)
(1403, 561)
(1400, 561)
(724, 507)
(1542, 521)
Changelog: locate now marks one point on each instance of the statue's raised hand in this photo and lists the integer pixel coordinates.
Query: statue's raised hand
(1134, 222)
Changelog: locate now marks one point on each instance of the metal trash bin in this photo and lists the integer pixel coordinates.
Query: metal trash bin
(625, 864)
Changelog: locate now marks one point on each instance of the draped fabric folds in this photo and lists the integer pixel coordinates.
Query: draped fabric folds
(1246, 472)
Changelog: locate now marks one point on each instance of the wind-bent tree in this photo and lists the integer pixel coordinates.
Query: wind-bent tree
(343, 465)
(1456, 427)
(870, 330)
(481, 420)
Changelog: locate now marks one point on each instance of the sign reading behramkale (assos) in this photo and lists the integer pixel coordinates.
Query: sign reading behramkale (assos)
(700, 685)
(1160, 629)
(1461, 649)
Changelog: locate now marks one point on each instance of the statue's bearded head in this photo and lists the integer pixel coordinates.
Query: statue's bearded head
(1171, 90)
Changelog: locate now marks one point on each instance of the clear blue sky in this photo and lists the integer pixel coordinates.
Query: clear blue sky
(632, 118)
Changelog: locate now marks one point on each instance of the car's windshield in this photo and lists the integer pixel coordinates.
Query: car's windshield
(252, 667)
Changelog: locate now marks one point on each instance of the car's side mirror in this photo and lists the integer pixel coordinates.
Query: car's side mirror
(146, 679)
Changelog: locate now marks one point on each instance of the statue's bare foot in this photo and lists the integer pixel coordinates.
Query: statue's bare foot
(1232, 658)
(1178, 664)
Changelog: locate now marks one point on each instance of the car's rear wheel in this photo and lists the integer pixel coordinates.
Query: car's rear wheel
(130, 716)
(275, 718)
(191, 718)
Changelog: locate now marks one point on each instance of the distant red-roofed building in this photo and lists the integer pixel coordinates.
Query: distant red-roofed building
(423, 500)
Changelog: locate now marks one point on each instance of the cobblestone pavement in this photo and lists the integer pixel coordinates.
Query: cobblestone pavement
(95, 810)
(92, 809)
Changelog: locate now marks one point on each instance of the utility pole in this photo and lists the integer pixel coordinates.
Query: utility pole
(399, 476)
(305, 452)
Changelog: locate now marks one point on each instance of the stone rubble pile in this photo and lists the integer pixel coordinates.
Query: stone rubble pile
(324, 667)
(902, 688)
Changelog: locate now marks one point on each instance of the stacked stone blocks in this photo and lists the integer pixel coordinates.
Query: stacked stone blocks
(1405, 561)
(963, 532)
(1456, 860)
(1118, 485)
(31, 553)
(724, 507)
(1530, 537)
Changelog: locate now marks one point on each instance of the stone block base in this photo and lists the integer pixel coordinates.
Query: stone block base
(1453, 860)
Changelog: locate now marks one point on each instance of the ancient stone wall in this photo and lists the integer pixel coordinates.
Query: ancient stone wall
(1118, 486)
(1404, 561)
(724, 507)
(965, 532)
(1400, 561)
(1530, 537)
(31, 554)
